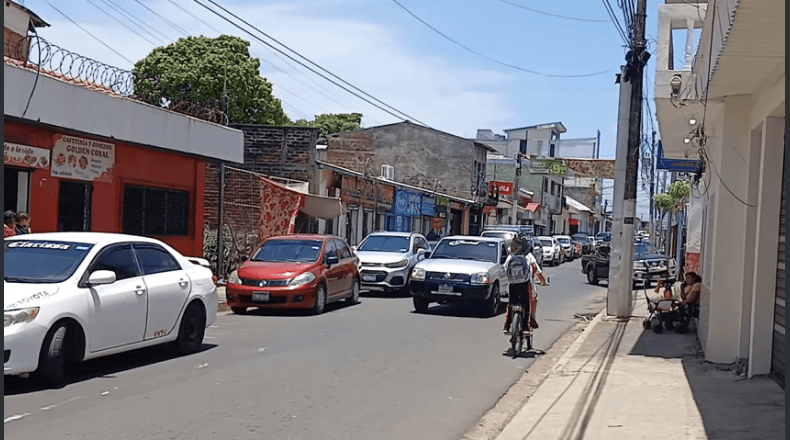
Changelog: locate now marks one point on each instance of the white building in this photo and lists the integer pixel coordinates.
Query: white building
(726, 104)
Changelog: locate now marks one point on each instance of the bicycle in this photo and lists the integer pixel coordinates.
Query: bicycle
(518, 331)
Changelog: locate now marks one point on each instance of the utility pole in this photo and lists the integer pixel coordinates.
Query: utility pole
(652, 182)
(516, 188)
(621, 261)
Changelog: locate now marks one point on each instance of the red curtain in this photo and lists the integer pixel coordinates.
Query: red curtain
(279, 208)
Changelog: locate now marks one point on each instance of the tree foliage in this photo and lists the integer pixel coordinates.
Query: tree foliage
(197, 68)
(676, 195)
(329, 124)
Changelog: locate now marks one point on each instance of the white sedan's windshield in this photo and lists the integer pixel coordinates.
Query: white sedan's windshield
(547, 243)
(467, 250)
(385, 243)
(36, 261)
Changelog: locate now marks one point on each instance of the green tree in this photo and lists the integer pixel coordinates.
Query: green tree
(197, 68)
(329, 124)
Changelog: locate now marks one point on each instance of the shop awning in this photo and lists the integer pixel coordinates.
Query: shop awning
(573, 203)
(533, 206)
(326, 208)
(573, 222)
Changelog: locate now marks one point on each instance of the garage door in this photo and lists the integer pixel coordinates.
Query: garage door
(778, 352)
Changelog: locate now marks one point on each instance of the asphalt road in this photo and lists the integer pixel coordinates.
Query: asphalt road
(375, 370)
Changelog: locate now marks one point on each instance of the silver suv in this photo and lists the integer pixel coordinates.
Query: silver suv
(387, 258)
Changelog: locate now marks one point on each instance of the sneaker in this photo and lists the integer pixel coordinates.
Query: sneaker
(506, 332)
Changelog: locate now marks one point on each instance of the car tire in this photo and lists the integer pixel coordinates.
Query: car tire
(239, 310)
(492, 304)
(51, 371)
(320, 300)
(592, 277)
(420, 304)
(191, 330)
(353, 298)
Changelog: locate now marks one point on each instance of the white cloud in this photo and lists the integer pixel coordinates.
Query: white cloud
(441, 94)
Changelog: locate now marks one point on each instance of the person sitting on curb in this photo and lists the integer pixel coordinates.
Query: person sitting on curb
(9, 220)
(690, 291)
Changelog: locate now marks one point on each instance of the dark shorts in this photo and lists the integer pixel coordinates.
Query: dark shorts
(519, 294)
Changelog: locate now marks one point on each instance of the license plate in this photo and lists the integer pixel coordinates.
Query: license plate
(368, 278)
(260, 296)
(446, 289)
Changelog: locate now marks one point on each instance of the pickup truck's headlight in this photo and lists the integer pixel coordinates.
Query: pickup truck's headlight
(418, 274)
(233, 278)
(18, 316)
(481, 278)
(402, 263)
(301, 280)
(638, 265)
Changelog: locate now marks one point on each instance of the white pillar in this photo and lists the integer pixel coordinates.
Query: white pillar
(618, 299)
(766, 246)
(725, 293)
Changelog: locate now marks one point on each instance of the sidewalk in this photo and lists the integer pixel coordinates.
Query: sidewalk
(620, 381)
(222, 305)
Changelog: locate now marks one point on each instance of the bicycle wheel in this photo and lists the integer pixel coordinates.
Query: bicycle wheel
(516, 334)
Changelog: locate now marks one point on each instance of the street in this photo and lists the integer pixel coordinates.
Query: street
(372, 370)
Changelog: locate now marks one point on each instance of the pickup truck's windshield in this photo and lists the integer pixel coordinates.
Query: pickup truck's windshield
(477, 250)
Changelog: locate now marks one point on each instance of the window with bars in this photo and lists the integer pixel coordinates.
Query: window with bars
(154, 211)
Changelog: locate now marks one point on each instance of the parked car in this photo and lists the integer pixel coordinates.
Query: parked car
(508, 235)
(524, 229)
(462, 269)
(587, 242)
(74, 296)
(295, 272)
(604, 237)
(387, 258)
(649, 265)
(551, 250)
(537, 250)
(567, 247)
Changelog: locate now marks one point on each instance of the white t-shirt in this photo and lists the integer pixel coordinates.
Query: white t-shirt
(531, 260)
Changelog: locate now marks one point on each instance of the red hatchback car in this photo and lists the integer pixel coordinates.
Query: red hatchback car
(295, 272)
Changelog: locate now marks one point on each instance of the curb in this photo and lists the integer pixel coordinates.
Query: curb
(494, 421)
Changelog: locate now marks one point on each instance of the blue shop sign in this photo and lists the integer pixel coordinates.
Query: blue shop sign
(399, 223)
(428, 206)
(407, 203)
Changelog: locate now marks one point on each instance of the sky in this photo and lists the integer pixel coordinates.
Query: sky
(381, 49)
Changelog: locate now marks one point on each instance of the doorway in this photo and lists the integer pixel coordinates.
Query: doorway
(74, 206)
(17, 190)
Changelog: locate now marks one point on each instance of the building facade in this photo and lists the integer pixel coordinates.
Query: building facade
(726, 106)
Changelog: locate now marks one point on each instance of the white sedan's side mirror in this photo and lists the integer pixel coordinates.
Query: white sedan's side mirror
(101, 277)
(353, 248)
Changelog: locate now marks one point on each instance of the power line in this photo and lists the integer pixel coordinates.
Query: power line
(306, 66)
(141, 21)
(554, 15)
(122, 23)
(173, 25)
(489, 58)
(87, 32)
(616, 22)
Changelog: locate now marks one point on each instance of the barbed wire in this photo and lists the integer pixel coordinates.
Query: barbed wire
(64, 64)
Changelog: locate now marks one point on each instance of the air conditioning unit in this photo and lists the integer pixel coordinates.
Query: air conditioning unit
(388, 172)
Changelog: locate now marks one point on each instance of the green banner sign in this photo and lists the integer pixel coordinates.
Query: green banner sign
(547, 166)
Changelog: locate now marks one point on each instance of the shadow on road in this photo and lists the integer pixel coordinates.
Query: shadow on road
(380, 294)
(461, 311)
(303, 313)
(105, 368)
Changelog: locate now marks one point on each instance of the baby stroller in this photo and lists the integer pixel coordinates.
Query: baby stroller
(665, 313)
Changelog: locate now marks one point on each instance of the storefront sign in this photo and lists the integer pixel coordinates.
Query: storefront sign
(428, 207)
(25, 156)
(502, 188)
(83, 159)
(362, 191)
(437, 224)
(386, 195)
(547, 166)
(489, 210)
(407, 203)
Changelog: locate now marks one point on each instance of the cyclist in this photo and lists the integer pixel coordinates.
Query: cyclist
(521, 247)
(519, 275)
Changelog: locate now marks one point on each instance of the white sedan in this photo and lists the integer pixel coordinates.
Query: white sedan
(73, 296)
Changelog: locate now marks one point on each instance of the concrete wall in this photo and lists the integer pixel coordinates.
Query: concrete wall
(414, 151)
(61, 104)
